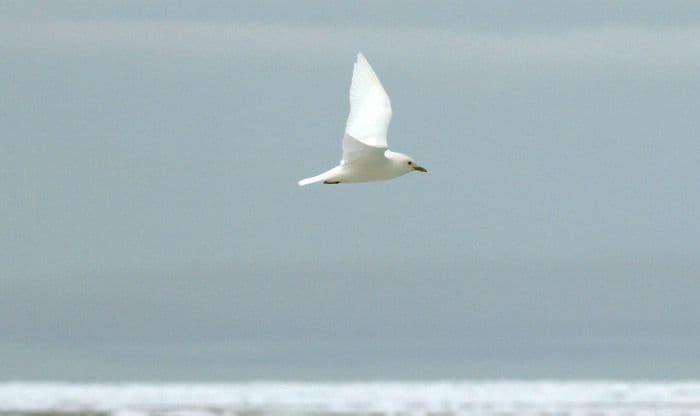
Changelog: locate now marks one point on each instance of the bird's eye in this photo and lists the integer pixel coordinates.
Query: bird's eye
(410, 163)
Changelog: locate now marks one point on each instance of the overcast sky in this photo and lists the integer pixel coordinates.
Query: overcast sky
(152, 228)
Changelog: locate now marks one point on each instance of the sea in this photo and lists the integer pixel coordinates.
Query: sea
(497, 398)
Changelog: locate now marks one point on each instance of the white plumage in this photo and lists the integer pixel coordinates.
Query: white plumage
(370, 106)
(365, 151)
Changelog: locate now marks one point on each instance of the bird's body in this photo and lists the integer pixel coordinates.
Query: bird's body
(366, 156)
(387, 165)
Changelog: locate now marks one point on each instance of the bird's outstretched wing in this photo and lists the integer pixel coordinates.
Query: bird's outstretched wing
(370, 107)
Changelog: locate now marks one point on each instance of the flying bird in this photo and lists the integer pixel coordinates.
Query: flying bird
(366, 155)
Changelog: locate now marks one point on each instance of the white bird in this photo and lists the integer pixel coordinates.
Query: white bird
(366, 155)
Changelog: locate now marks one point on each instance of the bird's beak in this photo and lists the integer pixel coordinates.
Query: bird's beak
(420, 169)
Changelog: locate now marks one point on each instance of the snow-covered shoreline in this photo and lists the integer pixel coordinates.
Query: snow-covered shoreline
(405, 398)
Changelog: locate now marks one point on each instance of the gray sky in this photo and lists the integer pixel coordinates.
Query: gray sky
(152, 227)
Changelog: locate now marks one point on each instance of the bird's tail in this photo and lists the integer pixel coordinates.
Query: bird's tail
(327, 175)
(313, 179)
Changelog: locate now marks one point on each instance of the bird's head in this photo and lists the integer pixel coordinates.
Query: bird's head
(406, 162)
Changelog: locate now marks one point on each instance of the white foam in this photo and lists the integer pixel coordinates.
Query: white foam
(459, 398)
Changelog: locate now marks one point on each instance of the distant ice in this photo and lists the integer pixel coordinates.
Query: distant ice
(385, 398)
